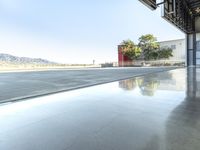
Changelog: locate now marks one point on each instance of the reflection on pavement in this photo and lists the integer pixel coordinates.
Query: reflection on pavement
(160, 111)
(147, 84)
(183, 123)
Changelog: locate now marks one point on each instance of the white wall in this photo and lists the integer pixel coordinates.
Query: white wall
(178, 47)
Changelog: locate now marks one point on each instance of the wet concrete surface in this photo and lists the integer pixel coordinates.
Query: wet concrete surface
(20, 85)
(160, 111)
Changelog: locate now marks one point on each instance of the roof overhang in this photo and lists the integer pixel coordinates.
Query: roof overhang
(149, 3)
(181, 13)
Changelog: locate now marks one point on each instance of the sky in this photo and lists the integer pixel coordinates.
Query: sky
(77, 31)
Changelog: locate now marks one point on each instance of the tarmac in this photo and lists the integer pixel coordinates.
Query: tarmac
(22, 85)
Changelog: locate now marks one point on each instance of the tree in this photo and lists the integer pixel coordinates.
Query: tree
(130, 50)
(150, 47)
(165, 53)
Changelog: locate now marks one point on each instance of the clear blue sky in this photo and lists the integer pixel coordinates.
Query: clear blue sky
(76, 31)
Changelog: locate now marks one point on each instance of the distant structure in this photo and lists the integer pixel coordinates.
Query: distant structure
(178, 47)
(122, 59)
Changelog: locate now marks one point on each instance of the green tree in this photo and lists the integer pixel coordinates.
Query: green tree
(150, 47)
(130, 50)
(165, 53)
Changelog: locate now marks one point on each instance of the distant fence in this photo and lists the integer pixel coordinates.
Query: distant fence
(160, 63)
(140, 63)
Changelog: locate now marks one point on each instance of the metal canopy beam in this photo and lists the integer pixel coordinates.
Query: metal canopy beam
(149, 3)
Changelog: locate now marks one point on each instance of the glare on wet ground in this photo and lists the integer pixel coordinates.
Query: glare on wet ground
(160, 111)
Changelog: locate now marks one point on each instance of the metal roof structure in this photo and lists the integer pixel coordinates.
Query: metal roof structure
(181, 13)
(194, 6)
(150, 3)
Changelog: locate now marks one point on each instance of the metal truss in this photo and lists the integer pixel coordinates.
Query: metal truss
(181, 13)
(194, 6)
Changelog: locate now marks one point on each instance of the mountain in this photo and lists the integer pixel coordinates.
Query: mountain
(7, 58)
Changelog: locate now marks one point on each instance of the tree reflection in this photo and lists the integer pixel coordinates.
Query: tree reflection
(148, 84)
(148, 87)
(128, 85)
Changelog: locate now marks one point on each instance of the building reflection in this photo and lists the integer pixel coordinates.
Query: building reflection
(149, 85)
(181, 118)
(183, 123)
(129, 84)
